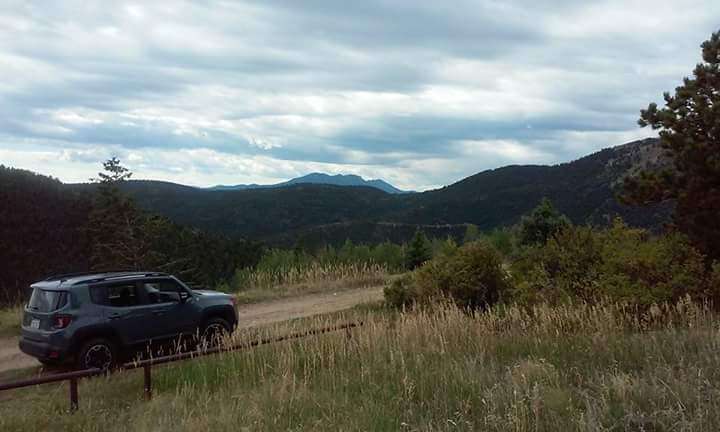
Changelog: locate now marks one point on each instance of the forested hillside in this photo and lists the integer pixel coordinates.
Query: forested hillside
(48, 228)
(41, 231)
(583, 189)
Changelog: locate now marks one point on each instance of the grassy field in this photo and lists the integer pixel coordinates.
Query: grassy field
(568, 368)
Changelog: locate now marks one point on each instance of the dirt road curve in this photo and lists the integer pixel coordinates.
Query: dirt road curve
(250, 316)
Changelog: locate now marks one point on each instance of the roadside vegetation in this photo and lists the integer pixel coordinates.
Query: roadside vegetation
(10, 319)
(568, 367)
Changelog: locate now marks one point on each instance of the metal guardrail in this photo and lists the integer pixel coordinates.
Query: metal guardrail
(73, 377)
(147, 364)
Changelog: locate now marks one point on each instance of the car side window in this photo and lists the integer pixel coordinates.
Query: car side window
(163, 291)
(115, 295)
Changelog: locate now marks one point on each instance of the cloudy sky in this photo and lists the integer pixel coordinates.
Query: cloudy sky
(418, 93)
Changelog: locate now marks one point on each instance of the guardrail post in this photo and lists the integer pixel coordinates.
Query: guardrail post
(148, 381)
(73, 395)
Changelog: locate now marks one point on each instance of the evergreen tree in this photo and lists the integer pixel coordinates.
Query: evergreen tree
(418, 251)
(115, 224)
(690, 135)
(542, 222)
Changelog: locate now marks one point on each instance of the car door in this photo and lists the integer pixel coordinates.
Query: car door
(126, 312)
(174, 310)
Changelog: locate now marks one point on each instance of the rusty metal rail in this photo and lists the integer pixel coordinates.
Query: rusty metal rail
(147, 364)
(73, 377)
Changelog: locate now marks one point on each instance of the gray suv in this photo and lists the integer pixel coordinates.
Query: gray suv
(93, 320)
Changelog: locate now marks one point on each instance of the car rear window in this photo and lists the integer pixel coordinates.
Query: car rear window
(47, 301)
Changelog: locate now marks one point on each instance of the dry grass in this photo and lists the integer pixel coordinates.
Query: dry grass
(549, 369)
(262, 285)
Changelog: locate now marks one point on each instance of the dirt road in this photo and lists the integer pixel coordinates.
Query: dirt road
(250, 316)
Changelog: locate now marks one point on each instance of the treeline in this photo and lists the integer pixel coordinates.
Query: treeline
(48, 228)
(546, 259)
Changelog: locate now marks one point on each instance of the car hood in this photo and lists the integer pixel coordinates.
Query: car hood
(210, 293)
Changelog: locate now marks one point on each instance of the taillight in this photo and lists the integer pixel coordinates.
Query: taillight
(61, 321)
(233, 299)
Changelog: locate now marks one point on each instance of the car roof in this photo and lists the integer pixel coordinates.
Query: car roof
(64, 280)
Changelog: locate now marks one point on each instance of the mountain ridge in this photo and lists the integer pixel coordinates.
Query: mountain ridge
(320, 178)
(315, 214)
(584, 189)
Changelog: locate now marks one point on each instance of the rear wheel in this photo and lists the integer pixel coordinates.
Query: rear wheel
(97, 354)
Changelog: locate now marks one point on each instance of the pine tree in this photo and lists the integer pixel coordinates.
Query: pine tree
(419, 250)
(689, 127)
(115, 224)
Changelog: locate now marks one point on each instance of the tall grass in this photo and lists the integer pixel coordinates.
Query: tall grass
(312, 273)
(283, 273)
(571, 367)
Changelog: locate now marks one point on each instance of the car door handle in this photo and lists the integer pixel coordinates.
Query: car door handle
(116, 315)
(160, 312)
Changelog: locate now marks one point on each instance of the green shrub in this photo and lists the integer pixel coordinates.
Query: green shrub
(619, 264)
(472, 276)
(505, 240)
(564, 268)
(446, 246)
(643, 270)
(400, 292)
(541, 223)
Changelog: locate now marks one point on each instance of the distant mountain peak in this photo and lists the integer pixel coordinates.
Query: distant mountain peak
(322, 178)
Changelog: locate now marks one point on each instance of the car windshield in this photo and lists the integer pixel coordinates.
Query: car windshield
(47, 301)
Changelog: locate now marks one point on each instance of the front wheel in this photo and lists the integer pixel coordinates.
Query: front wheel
(213, 332)
(97, 354)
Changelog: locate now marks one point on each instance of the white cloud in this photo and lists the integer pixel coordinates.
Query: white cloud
(418, 93)
(503, 151)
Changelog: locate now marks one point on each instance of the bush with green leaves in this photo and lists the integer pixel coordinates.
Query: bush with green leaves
(619, 264)
(541, 223)
(505, 240)
(400, 292)
(563, 268)
(472, 276)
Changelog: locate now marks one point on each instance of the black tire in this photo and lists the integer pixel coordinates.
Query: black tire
(97, 353)
(213, 330)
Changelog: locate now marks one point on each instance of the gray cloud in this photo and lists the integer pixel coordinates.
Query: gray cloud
(378, 88)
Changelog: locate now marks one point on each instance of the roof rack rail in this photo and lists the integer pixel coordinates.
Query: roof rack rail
(103, 272)
(67, 275)
(135, 273)
(125, 274)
